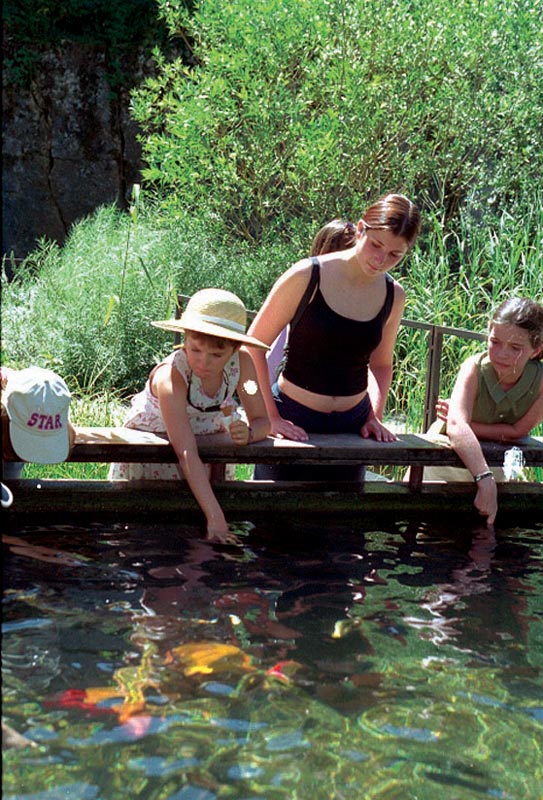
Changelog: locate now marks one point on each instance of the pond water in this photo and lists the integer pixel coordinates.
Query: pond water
(326, 661)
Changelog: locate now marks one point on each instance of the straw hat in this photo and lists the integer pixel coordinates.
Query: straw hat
(214, 312)
(37, 402)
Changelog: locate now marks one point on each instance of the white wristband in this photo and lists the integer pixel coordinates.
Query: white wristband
(487, 474)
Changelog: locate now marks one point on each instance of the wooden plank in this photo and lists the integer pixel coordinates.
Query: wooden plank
(123, 444)
(155, 500)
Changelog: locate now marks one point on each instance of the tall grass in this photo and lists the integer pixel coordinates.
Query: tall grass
(457, 282)
(84, 309)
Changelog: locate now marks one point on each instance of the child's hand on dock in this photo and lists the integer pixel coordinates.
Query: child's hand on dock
(442, 409)
(240, 432)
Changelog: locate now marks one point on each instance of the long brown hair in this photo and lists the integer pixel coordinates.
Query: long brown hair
(338, 234)
(395, 213)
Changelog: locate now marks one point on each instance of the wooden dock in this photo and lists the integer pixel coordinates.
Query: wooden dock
(143, 498)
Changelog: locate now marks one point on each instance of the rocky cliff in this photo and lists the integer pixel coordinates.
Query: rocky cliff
(69, 145)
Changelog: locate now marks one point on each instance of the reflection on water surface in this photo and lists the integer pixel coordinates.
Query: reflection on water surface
(314, 661)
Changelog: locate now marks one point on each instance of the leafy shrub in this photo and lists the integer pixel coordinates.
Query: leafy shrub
(306, 109)
(84, 309)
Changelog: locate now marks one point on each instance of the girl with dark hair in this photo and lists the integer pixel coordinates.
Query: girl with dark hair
(338, 234)
(498, 395)
(338, 367)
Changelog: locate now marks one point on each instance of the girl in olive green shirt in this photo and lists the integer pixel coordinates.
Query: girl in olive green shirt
(498, 395)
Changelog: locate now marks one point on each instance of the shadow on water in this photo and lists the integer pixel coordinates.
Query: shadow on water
(314, 660)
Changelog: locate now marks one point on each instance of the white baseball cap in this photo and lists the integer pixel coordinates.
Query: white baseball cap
(37, 402)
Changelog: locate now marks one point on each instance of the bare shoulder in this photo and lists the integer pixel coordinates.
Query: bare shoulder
(281, 303)
(298, 273)
(468, 374)
(399, 291)
(165, 377)
(469, 366)
(398, 305)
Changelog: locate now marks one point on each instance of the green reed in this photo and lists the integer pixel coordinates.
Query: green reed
(59, 313)
(457, 281)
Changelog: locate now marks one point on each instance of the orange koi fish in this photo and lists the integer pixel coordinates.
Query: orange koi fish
(205, 658)
(195, 658)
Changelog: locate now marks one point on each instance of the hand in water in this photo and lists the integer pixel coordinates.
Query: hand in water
(232, 534)
(221, 536)
(486, 500)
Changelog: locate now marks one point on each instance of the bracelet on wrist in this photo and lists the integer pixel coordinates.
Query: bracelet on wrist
(249, 440)
(486, 474)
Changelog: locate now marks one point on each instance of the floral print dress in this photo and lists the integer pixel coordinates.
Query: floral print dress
(203, 412)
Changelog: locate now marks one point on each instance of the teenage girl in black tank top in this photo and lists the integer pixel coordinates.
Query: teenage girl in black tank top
(340, 360)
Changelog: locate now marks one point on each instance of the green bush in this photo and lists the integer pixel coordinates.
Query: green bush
(84, 309)
(306, 109)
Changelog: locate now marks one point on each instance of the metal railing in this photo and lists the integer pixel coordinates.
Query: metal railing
(433, 363)
(436, 334)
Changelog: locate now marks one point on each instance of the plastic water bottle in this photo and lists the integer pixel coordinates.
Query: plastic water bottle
(513, 465)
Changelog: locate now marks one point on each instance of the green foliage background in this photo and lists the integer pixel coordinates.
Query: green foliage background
(293, 112)
(300, 110)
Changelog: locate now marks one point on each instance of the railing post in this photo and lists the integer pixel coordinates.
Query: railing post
(178, 312)
(433, 376)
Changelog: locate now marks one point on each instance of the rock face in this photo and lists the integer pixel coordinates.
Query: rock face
(69, 145)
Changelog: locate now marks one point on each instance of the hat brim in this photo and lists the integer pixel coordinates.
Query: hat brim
(52, 449)
(208, 328)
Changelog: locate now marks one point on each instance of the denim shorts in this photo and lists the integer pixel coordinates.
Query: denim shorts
(350, 421)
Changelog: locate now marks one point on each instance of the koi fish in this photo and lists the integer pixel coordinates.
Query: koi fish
(127, 699)
(85, 699)
(284, 670)
(209, 657)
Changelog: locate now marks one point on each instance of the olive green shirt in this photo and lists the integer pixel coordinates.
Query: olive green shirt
(494, 405)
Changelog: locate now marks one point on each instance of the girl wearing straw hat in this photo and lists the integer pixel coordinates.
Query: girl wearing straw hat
(192, 392)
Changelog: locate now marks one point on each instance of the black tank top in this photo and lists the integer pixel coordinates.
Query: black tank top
(329, 353)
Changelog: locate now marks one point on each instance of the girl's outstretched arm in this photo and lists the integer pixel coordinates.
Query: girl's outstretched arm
(465, 442)
(171, 391)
